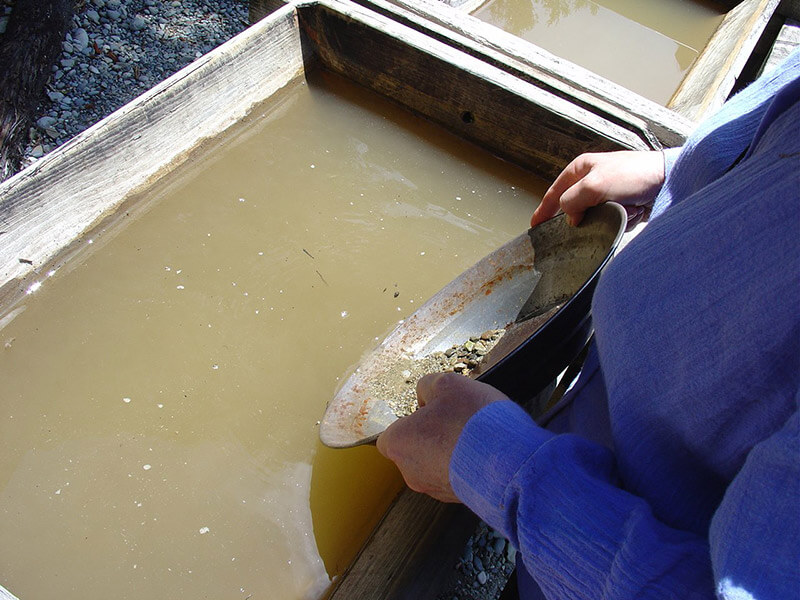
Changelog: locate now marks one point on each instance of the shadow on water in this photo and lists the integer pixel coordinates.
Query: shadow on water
(350, 492)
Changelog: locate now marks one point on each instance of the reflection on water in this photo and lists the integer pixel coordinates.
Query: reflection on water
(160, 396)
(645, 45)
(546, 13)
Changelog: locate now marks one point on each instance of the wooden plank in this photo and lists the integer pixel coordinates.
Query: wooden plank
(469, 6)
(411, 552)
(713, 75)
(788, 39)
(657, 124)
(52, 203)
(261, 8)
(790, 9)
(6, 595)
(512, 118)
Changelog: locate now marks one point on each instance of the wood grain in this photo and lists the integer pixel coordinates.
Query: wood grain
(6, 595)
(52, 203)
(530, 63)
(411, 552)
(787, 40)
(510, 117)
(713, 75)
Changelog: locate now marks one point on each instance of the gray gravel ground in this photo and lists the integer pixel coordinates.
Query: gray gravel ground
(484, 567)
(116, 50)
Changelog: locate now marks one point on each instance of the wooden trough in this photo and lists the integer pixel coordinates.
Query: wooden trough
(523, 105)
(752, 34)
(51, 205)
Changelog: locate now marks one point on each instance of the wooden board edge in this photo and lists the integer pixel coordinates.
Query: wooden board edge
(372, 58)
(663, 127)
(714, 73)
(395, 562)
(6, 595)
(44, 208)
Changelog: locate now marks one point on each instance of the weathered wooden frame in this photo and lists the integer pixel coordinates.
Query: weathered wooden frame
(715, 73)
(708, 83)
(526, 61)
(53, 203)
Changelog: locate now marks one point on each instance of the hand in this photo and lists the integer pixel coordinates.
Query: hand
(422, 443)
(630, 178)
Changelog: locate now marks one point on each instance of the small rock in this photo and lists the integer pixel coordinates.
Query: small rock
(99, 3)
(50, 131)
(94, 69)
(138, 23)
(511, 553)
(68, 47)
(482, 577)
(93, 16)
(3, 24)
(45, 122)
(37, 151)
(499, 545)
(459, 366)
(477, 563)
(114, 15)
(68, 63)
(55, 96)
(80, 39)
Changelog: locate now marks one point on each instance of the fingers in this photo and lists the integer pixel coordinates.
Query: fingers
(632, 178)
(455, 388)
(422, 443)
(551, 203)
(587, 192)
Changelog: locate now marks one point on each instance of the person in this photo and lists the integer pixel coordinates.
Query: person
(674, 471)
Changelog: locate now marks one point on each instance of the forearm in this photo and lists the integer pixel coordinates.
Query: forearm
(556, 500)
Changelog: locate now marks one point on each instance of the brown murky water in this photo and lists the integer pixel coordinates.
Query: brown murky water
(644, 45)
(160, 394)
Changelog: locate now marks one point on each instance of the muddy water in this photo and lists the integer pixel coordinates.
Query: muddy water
(644, 45)
(160, 395)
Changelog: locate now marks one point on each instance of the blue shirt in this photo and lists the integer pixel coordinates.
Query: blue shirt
(676, 472)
